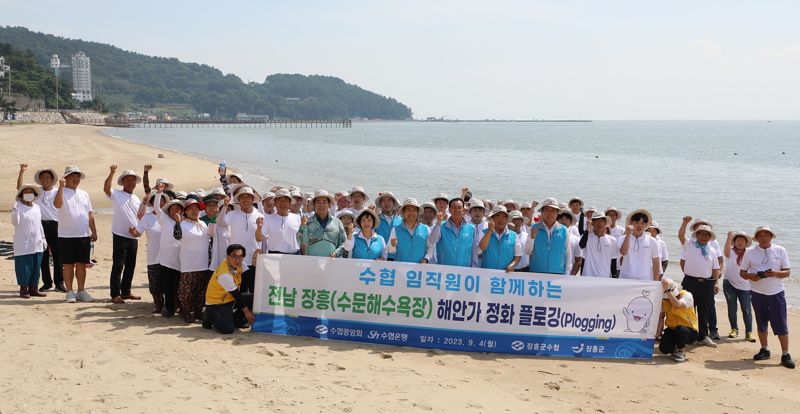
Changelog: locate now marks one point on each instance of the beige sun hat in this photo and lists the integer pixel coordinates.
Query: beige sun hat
(283, 193)
(44, 170)
(706, 229)
(441, 196)
(384, 194)
(672, 286)
(475, 204)
(497, 210)
(512, 202)
(748, 239)
(614, 209)
(375, 219)
(129, 173)
(549, 202)
(37, 191)
(525, 205)
(237, 175)
(573, 199)
(346, 212)
(428, 204)
(654, 225)
(601, 215)
(593, 209)
(358, 189)
(324, 194)
(167, 185)
(247, 190)
(411, 202)
(700, 221)
(764, 228)
(171, 203)
(516, 214)
(73, 169)
(640, 210)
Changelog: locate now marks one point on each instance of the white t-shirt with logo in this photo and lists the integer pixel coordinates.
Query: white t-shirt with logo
(280, 232)
(598, 254)
(125, 206)
(194, 246)
(697, 265)
(757, 259)
(73, 216)
(45, 202)
(242, 228)
(638, 263)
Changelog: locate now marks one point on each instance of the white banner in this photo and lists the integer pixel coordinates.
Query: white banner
(447, 307)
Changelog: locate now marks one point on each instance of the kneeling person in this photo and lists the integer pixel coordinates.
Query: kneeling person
(226, 307)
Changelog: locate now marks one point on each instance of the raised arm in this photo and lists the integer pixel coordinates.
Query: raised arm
(58, 201)
(107, 184)
(143, 206)
(487, 236)
(223, 212)
(146, 178)
(682, 230)
(22, 169)
(626, 242)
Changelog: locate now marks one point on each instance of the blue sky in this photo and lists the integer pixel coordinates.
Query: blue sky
(468, 59)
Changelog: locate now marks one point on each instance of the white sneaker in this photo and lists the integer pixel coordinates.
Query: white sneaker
(84, 296)
(707, 342)
(71, 296)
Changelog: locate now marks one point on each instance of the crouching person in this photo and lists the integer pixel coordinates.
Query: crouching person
(226, 307)
(680, 320)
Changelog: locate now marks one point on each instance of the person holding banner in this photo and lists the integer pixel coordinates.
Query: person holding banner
(280, 229)
(365, 243)
(701, 277)
(456, 240)
(638, 250)
(499, 247)
(242, 223)
(226, 306)
(322, 234)
(409, 239)
(680, 319)
(598, 249)
(549, 241)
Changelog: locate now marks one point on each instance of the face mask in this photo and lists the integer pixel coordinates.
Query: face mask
(28, 197)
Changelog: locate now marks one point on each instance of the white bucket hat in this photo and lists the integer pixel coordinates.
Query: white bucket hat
(640, 210)
(573, 199)
(475, 204)
(411, 202)
(699, 221)
(346, 212)
(129, 173)
(516, 214)
(428, 204)
(180, 194)
(324, 194)
(525, 205)
(654, 225)
(44, 170)
(441, 196)
(497, 210)
(550, 202)
(237, 175)
(357, 189)
(73, 169)
(247, 190)
(614, 209)
(706, 229)
(167, 185)
(375, 219)
(268, 195)
(37, 191)
(593, 209)
(764, 228)
(748, 239)
(600, 215)
(513, 203)
(385, 194)
(283, 193)
(171, 203)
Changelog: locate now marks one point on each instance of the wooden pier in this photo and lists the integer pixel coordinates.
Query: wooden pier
(216, 123)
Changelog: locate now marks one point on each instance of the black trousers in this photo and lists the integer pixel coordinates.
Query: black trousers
(702, 291)
(225, 318)
(677, 338)
(248, 280)
(123, 265)
(169, 286)
(51, 235)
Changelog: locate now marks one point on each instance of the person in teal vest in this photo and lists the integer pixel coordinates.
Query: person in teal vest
(322, 234)
(499, 247)
(365, 243)
(549, 241)
(388, 205)
(456, 240)
(409, 240)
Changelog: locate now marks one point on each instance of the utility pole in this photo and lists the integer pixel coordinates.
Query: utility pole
(55, 63)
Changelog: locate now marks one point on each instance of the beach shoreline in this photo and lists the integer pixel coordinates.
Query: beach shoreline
(100, 357)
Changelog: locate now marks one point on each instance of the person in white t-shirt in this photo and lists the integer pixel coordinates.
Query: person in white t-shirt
(655, 232)
(734, 287)
(280, 228)
(766, 265)
(701, 277)
(125, 247)
(29, 240)
(46, 178)
(194, 237)
(598, 249)
(574, 259)
(148, 224)
(614, 214)
(76, 232)
(168, 250)
(712, 313)
(244, 227)
(638, 250)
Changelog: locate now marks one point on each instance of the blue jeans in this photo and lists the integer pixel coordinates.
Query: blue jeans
(743, 296)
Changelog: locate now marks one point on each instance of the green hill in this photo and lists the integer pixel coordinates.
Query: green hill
(29, 78)
(128, 80)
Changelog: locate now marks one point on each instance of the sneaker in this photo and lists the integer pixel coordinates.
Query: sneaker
(71, 297)
(749, 337)
(715, 335)
(734, 333)
(46, 288)
(678, 356)
(61, 288)
(84, 296)
(707, 342)
(762, 355)
(786, 361)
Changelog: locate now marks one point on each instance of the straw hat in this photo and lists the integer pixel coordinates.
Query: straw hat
(73, 169)
(171, 203)
(283, 193)
(129, 173)
(549, 202)
(247, 190)
(764, 228)
(411, 202)
(37, 191)
(358, 189)
(167, 185)
(323, 194)
(375, 219)
(748, 239)
(44, 170)
(614, 209)
(497, 210)
(704, 228)
(641, 210)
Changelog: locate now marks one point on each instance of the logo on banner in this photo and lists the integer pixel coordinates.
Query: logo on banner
(517, 345)
(321, 329)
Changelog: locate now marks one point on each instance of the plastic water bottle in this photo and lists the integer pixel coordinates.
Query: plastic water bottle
(222, 168)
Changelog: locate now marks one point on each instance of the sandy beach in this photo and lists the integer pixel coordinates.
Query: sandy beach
(99, 357)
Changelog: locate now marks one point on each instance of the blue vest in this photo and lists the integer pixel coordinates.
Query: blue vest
(499, 253)
(384, 228)
(550, 256)
(372, 251)
(455, 251)
(411, 248)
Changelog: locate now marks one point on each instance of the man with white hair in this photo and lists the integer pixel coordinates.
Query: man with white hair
(125, 246)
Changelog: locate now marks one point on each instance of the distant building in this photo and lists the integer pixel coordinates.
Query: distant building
(82, 77)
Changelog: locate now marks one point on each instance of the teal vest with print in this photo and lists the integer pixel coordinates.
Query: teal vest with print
(411, 248)
(452, 250)
(550, 255)
(499, 253)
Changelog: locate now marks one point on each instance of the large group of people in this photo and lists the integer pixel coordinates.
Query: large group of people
(202, 247)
